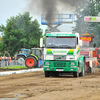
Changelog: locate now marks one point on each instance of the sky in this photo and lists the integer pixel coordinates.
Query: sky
(10, 8)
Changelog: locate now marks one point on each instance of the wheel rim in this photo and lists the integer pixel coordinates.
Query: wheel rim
(30, 62)
(21, 60)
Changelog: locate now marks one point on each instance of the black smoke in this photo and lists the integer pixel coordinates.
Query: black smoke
(50, 7)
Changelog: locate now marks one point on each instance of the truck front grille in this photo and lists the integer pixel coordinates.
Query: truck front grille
(59, 64)
(59, 57)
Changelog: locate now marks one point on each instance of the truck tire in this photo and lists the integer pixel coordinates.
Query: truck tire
(76, 74)
(31, 62)
(47, 74)
(83, 70)
(21, 60)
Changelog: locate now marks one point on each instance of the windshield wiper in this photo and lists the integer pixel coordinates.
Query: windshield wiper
(52, 45)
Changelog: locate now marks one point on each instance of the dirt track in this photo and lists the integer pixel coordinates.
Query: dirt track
(34, 86)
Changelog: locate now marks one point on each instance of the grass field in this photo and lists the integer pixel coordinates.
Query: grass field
(14, 67)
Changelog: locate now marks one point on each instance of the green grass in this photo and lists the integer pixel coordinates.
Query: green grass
(13, 67)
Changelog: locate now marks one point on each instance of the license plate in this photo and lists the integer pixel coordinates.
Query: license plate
(59, 69)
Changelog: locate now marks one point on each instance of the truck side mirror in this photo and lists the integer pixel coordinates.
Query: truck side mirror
(80, 42)
(41, 42)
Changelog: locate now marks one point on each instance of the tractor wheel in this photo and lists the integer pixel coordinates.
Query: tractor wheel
(21, 60)
(31, 62)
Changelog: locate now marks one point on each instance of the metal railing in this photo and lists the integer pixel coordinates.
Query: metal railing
(11, 63)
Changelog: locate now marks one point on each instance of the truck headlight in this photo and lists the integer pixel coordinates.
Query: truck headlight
(72, 63)
(47, 63)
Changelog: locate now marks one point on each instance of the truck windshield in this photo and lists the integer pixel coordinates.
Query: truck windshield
(60, 42)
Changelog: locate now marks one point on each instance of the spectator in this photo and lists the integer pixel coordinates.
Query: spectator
(10, 59)
(3, 59)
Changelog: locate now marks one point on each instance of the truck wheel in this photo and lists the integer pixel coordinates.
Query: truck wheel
(31, 62)
(21, 60)
(83, 70)
(47, 74)
(76, 74)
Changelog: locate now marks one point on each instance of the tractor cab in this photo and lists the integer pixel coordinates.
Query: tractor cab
(25, 51)
(37, 52)
(22, 55)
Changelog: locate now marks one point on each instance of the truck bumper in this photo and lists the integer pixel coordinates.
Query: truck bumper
(61, 69)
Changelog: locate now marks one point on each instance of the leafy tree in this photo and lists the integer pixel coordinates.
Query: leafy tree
(1, 47)
(21, 32)
(91, 8)
(2, 29)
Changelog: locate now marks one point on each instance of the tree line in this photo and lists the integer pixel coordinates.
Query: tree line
(90, 8)
(20, 32)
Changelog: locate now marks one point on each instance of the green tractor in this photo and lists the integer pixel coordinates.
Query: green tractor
(35, 58)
